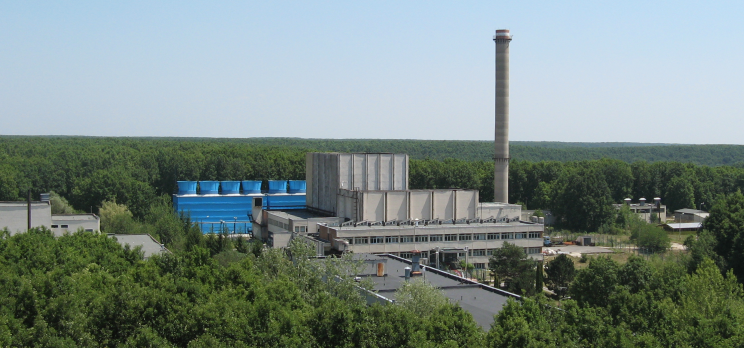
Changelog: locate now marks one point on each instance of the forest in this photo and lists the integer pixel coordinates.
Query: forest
(134, 171)
(85, 289)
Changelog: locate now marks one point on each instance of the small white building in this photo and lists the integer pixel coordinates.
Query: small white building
(62, 223)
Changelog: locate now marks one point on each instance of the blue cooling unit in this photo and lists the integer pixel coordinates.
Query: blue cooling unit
(230, 211)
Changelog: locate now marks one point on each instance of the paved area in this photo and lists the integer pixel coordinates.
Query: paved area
(578, 250)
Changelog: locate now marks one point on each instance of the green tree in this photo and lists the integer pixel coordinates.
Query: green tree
(60, 204)
(560, 273)
(511, 265)
(680, 193)
(583, 200)
(594, 284)
(649, 237)
(421, 298)
(726, 225)
(116, 218)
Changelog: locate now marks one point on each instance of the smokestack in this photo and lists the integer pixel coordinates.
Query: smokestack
(501, 143)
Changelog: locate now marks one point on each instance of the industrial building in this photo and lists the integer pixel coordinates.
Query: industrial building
(646, 211)
(17, 216)
(361, 202)
(218, 206)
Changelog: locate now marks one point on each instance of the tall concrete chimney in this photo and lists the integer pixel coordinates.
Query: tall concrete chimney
(501, 143)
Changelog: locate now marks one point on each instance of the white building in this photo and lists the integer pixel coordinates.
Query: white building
(14, 217)
(62, 223)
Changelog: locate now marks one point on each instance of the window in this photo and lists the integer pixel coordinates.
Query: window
(492, 236)
(64, 226)
(479, 252)
(461, 255)
(450, 237)
(520, 235)
(479, 236)
(55, 226)
(479, 265)
(534, 235)
(88, 230)
(424, 254)
(360, 240)
(489, 252)
(533, 250)
(376, 240)
(422, 239)
(351, 241)
(406, 255)
(391, 239)
(303, 228)
(466, 236)
(297, 228)
(507, 236)
(436, 238)
(406, 239)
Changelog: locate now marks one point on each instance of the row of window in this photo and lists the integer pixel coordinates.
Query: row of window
(67, 226)
(300, 228)
(442, 238)
(471, 252)
(279, 224)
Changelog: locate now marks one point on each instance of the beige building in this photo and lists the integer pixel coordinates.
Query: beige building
(361, 203)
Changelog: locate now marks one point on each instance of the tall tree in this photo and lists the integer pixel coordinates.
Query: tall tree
(511, 265)
(726, 224)
(583, 200)
(560, 273)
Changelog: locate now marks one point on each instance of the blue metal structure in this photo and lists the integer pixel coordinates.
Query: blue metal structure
(230, 211)
(251, 186)
(277, 186)
(297, 186)
(230, 187)
(187, 187)
(209, 187)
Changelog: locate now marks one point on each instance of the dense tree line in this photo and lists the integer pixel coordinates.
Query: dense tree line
(712, 155)
(133, 172)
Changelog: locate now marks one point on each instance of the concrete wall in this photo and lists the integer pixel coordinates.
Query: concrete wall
(87, 222)
(407, 205)
(499, 210)
(326, 173)
(14, 216)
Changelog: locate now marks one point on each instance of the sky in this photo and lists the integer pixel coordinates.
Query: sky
(581, 71)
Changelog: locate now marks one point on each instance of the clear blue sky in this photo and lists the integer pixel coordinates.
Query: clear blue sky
(596, 71)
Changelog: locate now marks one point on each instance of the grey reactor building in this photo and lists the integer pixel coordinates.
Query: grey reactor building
(361, 202)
